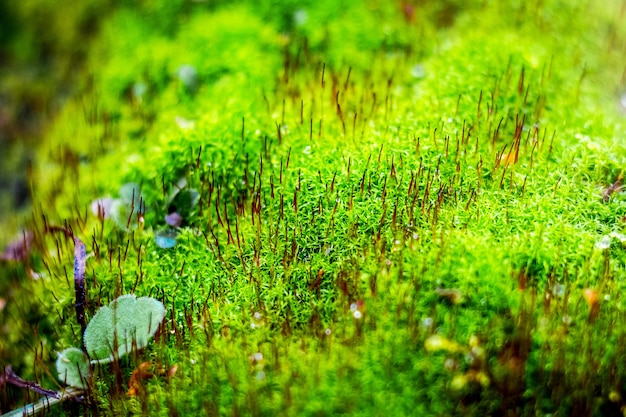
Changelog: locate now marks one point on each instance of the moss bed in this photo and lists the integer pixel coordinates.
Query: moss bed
(382, 208)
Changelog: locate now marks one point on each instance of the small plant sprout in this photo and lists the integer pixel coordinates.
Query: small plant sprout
(126, 323)
(73, 367)
(121, 210)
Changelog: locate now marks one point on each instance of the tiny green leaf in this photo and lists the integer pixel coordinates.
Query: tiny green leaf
(131, 194)
(125, 323)
(120, 212)
(73, 367)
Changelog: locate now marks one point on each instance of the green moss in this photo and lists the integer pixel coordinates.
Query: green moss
(402, 208)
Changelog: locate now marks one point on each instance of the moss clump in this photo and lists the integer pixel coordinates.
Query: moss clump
(383, 209)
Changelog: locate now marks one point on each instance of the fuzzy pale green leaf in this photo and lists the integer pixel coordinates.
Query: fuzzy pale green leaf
(125, 323)
(73, 367)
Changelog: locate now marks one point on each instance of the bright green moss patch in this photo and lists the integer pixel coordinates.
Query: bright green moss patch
(345, 208)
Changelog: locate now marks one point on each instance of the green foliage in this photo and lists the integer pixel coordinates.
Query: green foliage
(125, 324)
(73, 367)
(115, 330)
(386, 208)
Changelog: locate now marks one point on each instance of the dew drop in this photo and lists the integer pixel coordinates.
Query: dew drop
(165, 239)
(418, 71)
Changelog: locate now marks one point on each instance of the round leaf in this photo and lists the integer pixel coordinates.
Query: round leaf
(125, 323)
(73, 367)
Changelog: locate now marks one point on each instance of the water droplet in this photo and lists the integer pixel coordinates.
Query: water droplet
(418, 71)
(558, 290)
(184, 124)
(604, 243)
(300, 17)
(188, 75)
(139, 90)
(165, 239)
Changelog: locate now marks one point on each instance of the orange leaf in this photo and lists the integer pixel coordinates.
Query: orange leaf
(139, 373)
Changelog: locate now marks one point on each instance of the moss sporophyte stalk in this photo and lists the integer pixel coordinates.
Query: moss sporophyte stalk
(322, 208)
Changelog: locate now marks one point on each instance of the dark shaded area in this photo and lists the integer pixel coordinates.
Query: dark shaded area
(42, 49)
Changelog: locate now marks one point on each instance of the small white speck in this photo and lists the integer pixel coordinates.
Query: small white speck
(567, 319)
(327, 332)
(357, 314)
(604, 243)
(139, 89)
(257, 316)
(558, 290)
(258, 356)
(300, 17)
(418, 71)
(184, 124)
(307, 150)
(353, 307)
(427, 322)
(415, 236)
